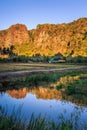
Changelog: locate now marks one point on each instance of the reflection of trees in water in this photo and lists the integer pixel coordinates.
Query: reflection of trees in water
(65, 80)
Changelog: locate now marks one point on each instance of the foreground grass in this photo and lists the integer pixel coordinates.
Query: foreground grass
(34, 124)
(13, 122)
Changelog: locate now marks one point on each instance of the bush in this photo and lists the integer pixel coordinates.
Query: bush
(70, 89)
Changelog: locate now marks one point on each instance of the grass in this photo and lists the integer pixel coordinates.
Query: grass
(16, 67)
(11, 122)
(33, 124)
(66, 77)
(74, 88)
(77, 92)
(26, 66)
(39, 123)
(36, 79)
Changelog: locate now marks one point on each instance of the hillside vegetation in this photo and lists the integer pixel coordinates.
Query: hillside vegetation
(46, 40)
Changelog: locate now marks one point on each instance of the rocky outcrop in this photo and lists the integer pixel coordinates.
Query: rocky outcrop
(16, 34)
(47, 39)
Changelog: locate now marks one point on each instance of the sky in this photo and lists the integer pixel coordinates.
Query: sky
(34, 12)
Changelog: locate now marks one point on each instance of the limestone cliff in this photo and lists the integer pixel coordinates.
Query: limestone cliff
(47, 39)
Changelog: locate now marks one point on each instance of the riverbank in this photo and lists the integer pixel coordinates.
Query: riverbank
(71, 83)
(28, 69)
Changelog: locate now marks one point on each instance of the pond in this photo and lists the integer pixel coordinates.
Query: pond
(45, 101)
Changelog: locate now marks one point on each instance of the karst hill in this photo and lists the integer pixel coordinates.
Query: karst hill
(46, 39)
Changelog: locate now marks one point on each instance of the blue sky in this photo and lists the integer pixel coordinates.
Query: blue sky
(34, 12)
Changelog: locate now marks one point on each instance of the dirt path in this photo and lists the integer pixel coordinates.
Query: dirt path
(5, 75)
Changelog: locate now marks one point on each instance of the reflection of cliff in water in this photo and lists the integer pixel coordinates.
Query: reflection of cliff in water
(40, 92)
(50, 92)
(19, 93)
(46, 93)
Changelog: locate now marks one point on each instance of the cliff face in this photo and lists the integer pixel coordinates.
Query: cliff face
(62, 38)
(16, 34)
(47, 39)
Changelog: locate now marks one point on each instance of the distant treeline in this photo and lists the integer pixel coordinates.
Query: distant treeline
(45, 59)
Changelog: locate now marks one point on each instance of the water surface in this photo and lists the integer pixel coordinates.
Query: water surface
(45, 101)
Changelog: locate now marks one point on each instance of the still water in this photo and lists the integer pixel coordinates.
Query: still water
(45, 101)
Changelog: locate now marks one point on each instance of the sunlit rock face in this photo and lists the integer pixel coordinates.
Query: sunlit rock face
(47, 39)
(16, 34)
